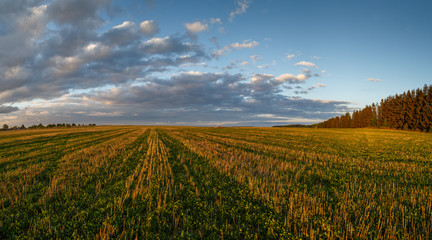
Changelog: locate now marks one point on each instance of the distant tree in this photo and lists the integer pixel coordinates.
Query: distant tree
(5, 126)
(22, 126)
(428, 108)
(374, 121)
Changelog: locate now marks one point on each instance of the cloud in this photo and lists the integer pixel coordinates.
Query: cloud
(51, 62)
(167, 45)
(241, 9)
(214, 41)
(232, 65)
(290, 78)
(318, 85)
(35, 22)
(306, 64)
(301, 92)
(186, 89)
(229, 48)
(215, 20)
(122, 34)
(149, 28)
(7, 109)
(271, 83)
(125, 25)
(263, 82)
(63, 61)
(373, 79)
(255, 58)
(290, 56)
(195, 27)
(78, 12)
(188, 97)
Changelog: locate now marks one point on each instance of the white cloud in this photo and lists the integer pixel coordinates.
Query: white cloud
(106, 114)
(245, 63)
(306, 64)
(290, 56)
(263, 66)
(245, 44)
(149, 28)
(125, 24)
(255, 58)
(288, 77)
(215, 20)
(196, 27)
(228, 48)
(261, 77)
(190, 73)
(373, 79)
(241, 9)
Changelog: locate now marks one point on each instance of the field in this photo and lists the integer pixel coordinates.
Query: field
(125, 182)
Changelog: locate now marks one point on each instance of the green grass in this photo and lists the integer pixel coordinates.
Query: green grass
(125, 182)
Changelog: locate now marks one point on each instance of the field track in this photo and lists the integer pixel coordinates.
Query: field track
(125, 182)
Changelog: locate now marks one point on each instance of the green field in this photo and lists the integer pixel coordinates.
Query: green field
(210, 183)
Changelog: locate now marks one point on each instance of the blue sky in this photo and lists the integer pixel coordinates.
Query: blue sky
(208, 62)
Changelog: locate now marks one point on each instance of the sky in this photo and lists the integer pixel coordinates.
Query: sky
(207, 62)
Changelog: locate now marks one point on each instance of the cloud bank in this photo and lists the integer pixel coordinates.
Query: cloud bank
(62, 61)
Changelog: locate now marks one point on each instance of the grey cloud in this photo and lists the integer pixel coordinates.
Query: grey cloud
(192, 96)
(78, 12)
(149, 28)
(188, 98)
(184, 90)
(121, 35)
(7, 109)
(214, 41)
(301, 92)
(52, 62)
(10, 9)
(73, 56)
(66, 42)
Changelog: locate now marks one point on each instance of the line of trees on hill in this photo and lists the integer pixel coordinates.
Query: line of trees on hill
(40, 126)
(411, 110)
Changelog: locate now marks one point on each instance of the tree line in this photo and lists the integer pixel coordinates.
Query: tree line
(40, 126)
(411, 110)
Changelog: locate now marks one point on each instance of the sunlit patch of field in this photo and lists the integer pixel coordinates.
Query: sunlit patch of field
(237, 183)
